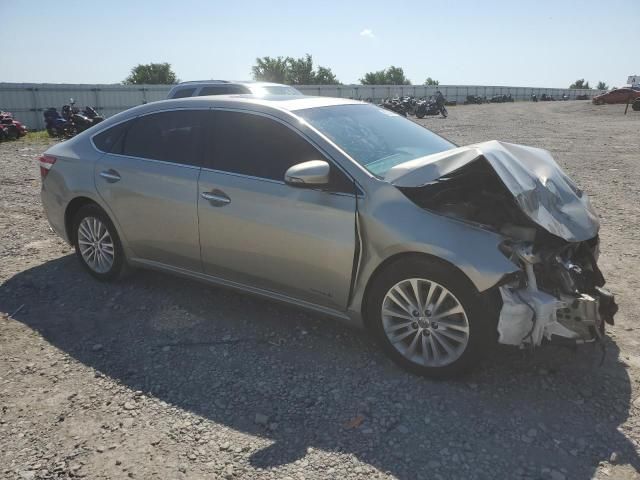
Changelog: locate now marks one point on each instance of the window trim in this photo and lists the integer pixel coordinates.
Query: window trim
(332, 162)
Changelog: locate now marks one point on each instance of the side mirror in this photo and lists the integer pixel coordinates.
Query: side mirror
(314, 173)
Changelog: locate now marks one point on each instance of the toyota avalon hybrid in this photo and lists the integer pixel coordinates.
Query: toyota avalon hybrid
(343, 208)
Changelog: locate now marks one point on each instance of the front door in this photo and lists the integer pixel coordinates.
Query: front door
(258, 231)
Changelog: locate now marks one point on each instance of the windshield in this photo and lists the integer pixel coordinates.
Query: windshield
(376, 138)
(273, 90)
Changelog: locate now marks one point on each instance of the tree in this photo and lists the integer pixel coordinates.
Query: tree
(580, 84)
(374, 78)
(431, 81)
(388, 76)
(300, 71)
(152, 74)
(269, 69)
(602, 86)
(324, 76)
(293, 71)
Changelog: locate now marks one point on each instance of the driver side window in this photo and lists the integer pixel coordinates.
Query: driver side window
(258, 146)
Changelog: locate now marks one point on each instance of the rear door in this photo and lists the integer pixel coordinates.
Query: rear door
(258, 231)
(149, 180)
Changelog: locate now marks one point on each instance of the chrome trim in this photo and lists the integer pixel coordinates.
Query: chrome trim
(242, 175)
(110, 177)
(212, 197)
(278, 182)
(243, 288)
(173, 164)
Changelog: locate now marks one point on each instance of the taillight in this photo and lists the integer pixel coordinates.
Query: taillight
(46, 162)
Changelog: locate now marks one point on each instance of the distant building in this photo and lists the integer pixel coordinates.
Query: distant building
(634, 80)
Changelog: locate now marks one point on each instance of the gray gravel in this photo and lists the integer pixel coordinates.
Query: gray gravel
(158, 377)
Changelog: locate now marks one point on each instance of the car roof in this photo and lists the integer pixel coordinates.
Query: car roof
(197, 83)
(289, 103)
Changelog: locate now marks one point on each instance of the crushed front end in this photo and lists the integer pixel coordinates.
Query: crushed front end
(550, 231)
(559, 294)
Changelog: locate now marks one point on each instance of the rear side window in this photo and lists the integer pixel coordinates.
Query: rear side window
(110, 141)
(184, 92)
(222, 90)
(167, 136)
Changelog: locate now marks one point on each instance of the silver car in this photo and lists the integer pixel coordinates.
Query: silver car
(201, 88)
(343, 208)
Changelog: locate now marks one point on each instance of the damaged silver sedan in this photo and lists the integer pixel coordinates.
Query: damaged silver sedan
(343, 208)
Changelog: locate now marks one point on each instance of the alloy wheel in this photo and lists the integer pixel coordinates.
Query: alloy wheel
(425, 322)
(96, 245)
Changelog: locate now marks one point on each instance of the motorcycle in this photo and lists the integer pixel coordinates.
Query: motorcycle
(534, 97)
(430, 107)
(72, 120)
(409, 104)
(13, 129)
(395, 105)
(501, 98)
(474, 100)
(56, 125)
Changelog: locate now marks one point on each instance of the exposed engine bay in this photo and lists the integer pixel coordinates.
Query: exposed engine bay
(559, 290)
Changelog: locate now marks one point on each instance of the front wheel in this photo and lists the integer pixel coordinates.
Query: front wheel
(428, 317)
(97, 243)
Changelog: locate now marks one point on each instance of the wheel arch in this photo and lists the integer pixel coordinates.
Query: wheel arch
(387, 262)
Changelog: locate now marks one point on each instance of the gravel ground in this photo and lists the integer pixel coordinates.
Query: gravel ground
(158, 377)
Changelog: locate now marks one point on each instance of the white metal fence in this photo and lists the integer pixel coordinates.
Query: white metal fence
(29, 100)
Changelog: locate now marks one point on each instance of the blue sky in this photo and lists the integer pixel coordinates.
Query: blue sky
(536, 43)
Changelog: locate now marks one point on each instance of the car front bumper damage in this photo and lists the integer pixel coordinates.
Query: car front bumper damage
(572, 309)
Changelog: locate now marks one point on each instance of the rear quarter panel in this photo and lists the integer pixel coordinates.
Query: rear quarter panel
(70, 177)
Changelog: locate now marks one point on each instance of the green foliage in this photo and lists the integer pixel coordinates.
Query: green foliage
(388, 76)
(293, 71)
(269, 69)
(152, 74)
(580, 84)
(431, 81)
(602, 86)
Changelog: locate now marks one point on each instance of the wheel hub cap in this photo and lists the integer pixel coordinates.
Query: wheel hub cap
(95, 244)
(425, 322)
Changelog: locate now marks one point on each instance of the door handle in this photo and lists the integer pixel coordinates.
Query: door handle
(110, 176)
(217, 198)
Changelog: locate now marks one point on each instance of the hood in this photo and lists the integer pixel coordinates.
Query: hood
(541, 189)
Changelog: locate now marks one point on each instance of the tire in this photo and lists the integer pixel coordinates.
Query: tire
(636, 105)
(424, 353)
(111, 263)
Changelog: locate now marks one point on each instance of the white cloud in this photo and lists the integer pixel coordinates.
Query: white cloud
(367, 33)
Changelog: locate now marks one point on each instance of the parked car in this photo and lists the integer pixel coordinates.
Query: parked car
(343, 208)
(222, 87)
(618, 95)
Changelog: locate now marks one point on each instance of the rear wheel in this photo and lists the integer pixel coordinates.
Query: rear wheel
(428, 318)
(97, 243)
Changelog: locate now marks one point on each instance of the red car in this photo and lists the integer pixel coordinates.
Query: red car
(619, 95)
